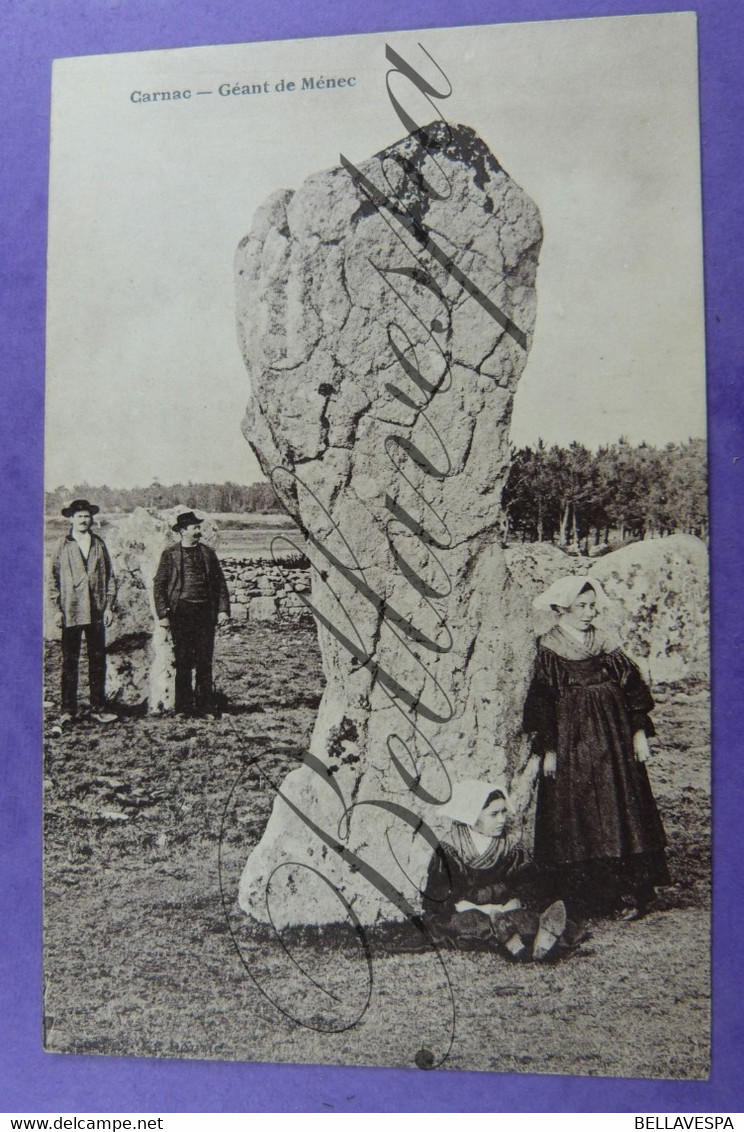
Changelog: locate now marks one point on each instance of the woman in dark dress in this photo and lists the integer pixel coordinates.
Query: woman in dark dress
(474, 890)
(598, 835)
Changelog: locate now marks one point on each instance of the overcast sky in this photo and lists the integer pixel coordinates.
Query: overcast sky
(595, 119)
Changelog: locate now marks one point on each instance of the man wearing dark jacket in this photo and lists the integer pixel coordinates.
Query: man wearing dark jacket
(191, 599)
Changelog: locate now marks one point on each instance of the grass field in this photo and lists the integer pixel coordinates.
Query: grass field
(148, 824)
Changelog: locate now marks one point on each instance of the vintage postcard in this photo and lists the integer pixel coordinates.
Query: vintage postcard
(377, 670)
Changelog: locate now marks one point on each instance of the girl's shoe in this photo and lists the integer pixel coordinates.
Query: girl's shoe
(551, 928)
(515, 947)
(103, 717)
(635, 912)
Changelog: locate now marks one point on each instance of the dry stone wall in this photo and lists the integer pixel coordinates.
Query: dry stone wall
(262, 590)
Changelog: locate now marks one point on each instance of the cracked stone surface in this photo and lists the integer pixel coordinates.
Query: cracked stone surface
(660, 608)
(372, 323)
(139, 664)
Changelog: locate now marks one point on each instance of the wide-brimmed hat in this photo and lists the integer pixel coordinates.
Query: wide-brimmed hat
(79, 505)
(186, 519)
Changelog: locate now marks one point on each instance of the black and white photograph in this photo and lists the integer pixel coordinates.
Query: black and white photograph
(376, 660)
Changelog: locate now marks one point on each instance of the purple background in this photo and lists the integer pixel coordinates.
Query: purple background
(32, 33)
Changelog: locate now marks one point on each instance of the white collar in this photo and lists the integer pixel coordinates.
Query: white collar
(84, 541)
(582, 636)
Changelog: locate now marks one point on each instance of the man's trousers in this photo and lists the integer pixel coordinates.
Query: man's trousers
(95, 640)
(192, 627)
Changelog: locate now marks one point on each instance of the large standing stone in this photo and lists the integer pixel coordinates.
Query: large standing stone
(140, 655)
(659, 594)
(658, 601)
(382, 378)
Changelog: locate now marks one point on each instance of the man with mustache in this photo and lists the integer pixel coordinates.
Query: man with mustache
(191, 599)
(82, 591)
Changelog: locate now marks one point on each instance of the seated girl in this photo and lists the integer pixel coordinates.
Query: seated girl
(475, 886)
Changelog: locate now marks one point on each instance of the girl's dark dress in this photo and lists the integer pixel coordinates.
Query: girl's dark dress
(492, 880)
(597, 828)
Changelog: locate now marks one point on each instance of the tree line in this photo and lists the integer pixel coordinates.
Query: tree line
(567, 495)
(579, 498)
(211, 497)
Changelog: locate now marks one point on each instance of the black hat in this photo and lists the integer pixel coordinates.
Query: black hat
(186, 519)
(79, 505)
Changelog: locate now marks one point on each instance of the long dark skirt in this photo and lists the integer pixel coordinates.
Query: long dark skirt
(598, 834)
